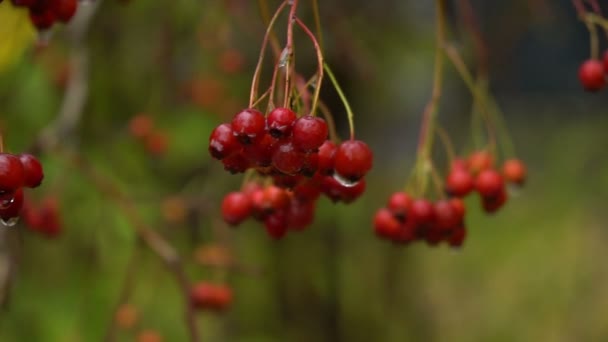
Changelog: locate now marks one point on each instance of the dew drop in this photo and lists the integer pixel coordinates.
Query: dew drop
(10, 222)
(6, 202)
(344, 181)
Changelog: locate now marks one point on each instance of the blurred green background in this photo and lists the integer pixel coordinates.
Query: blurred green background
(532, 272)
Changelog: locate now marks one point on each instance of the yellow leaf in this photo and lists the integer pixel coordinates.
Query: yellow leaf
(16, 34)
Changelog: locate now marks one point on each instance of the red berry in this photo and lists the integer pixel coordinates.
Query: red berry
(459, 164)
(236, 207)
(222, 142)
(260, 153)
(307, 190)
(327, 157)
(301, 214)
(23, 3)
(591, 75)
(399, 204)
(276, 198)
(156, 143)
(489, 183)
(236, 163)
(459, 207)
(43, 19)
(311, 164)
(421, 211)
(32, 170)
(206, 296)
(605, 59)
(446, 216)
(385, 224)
(514, 171)
(249, 126)
(64, 10)
(280, 122)
(459, 183)
(276, 224)
(286, 181)
(457, 237)
(353, 159)
(141, 126)
(491, 204)
(480, 160)
(309, 133)
(50, 217)
(11, 204)
(12, 175)
(287, 159)
(351, 193)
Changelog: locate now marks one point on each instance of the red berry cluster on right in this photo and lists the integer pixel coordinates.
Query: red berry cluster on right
(592, 73)
(44, 13)
(406, 219)
(16, 172)
(210, 297)
(294, 159)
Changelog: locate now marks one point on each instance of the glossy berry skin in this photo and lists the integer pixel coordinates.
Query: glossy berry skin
(287, 158)
(301, 214)
(489, 183)
(514, 171)
(280, 122)
(276, 225)
(12, 175)
(479, 161)
(64, 10)
(353, 159)
(236, 208)
(249, 126)
(422, 211)
(459, 182)
(399, 204)
(260, 153)
(385, 224)
(222, 142)
(32, 170)
(309, 133)
(591, 75)
(446, 216)
(236, 163)
(11, 204)
(327, 157)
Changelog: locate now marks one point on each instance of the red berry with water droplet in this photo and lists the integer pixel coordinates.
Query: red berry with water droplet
(353, 159)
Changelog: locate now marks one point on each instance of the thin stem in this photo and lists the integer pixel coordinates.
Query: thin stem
(289, 47)
(333, 134)
(315, 98)
(1, 143)
(258, 68)
(261, 98)
(265, 13)
(317, 15)
(273, 83)
(446, 141)
(349, 111)
(472, 25)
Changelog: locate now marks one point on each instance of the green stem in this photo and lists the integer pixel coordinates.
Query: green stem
(349, 111)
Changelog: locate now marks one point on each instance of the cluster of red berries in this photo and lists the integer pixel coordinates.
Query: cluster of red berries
(16, 172)
(142, 128)
(406, 219)
(44, 13)
(43, 217)
(302, 163)
(211, 297)
(592, 73)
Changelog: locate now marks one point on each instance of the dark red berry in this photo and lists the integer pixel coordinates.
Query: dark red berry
(351, 193)
(327, 157)
(489, 183)
(459, 183)
(309, 133)
(249, 126)
(32, 170)
(50, 217)
(280, 122)
(260, 153)
(236, 207)
(458, 205)
(591, 75)
(287, 159)
(457, 237)
(446, 216)
(421, 211)
(491, 204)
(286, 181)
(301, 214)
(514, 171)
(12, 175)
(307, 191)
(399, 204)
(353, 159)
(23, 3)
(236, 163)
(222, 142)
(385, 224)
(311, 164)
(42, 20)
(276, 224)
(64, 10)
(11, 204)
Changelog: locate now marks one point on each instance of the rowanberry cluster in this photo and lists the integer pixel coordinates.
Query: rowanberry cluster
(406, 219)
(592, 73)
(299, 159)
(211, 297)
(44, 13)
(16, 172)
(43, 217)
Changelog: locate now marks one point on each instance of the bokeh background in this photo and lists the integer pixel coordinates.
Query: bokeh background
(532, 272)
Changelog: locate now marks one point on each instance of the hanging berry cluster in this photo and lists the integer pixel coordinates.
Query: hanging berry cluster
(420, 214)
(44, 13)
(592, 72)
(290, 158)
(16, 172)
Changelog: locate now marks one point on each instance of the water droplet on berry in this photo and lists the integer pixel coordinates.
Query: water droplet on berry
(344, 181)
(5, 203)
(10, 222)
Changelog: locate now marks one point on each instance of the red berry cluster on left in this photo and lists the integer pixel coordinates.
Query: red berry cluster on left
(295, 155)
(16, 172)
(44, 13)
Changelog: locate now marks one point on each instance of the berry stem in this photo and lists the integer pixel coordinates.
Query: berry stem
(349, 111)
(446, 141)
(271, 89)
(329, 119)
(317, 16)
(319, 79)
(1, 143)
(258, 68)
(289, 47)
(265, 13)
(472, 25)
